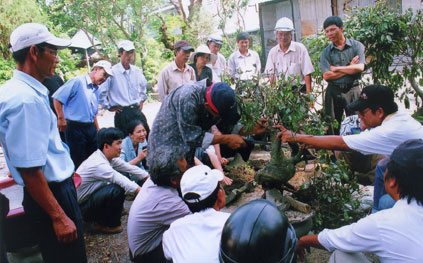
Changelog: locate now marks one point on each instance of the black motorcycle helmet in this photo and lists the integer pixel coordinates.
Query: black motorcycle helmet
(257, 232)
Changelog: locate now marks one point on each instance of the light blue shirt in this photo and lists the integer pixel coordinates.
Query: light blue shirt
(128, 152)
(124, 88)
(79, 98)
(28, 130)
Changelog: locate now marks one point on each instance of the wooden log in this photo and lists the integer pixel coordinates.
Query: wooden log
(300, 206)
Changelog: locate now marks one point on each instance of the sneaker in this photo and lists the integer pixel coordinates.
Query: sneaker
(107, 229)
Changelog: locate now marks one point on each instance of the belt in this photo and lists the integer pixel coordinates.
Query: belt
(77, 123)
(132, 106)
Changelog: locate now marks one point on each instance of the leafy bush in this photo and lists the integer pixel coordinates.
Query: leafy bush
(331, 195)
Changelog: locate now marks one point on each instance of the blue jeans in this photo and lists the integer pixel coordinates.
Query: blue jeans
(381, 199)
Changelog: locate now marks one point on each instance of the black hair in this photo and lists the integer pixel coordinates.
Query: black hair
(132, 125)
(20, 55)
(410, 182)
(333, 20)
(388, 107)
(199, 54)
(121, 50)
(203, 204)
(163, 166)
(108, 136)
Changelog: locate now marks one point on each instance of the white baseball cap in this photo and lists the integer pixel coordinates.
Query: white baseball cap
(200, 180)
(127, 45)
(216, 38)
(106, 65)
(30, 34)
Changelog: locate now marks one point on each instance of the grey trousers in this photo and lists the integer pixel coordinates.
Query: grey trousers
(345, 257)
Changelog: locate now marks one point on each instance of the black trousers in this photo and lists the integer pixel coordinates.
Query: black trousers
(104, 206)
(52, 250)
(81, 139)
(129, 113)
(154, 256)
(336, 101)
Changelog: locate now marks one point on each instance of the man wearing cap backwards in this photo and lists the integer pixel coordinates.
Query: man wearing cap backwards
(243, 64)
(178, 72)
(341, 64)
(77, 107)
(125, 92)
(196, 237)
(289, 58)
(188, 113)
(387, 126)
(157, 205)
(35, 154)
(394, 235)
(215, 42)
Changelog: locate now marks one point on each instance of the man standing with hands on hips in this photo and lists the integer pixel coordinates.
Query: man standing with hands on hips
(126, 91)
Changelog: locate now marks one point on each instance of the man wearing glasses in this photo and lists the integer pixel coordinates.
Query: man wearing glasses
(385, 128)
(35, 154)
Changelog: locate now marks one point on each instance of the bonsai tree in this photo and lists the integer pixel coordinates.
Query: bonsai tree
(277, 103)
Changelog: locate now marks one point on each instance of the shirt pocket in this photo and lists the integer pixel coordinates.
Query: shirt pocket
(294, 69)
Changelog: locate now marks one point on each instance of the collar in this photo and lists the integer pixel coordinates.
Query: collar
(347, 43)
(241, 56)
(90, 84)
(389, 116)
(174, 67)
(290, 48)
(30, 81)
(122, 69)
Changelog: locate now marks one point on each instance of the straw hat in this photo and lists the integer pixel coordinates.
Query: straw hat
(203, 49)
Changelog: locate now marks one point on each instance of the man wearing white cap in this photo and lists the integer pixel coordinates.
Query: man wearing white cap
(76, 105)
(125, 92)
(35, 154)
(289, 58)
(196, 237)
(215, 42)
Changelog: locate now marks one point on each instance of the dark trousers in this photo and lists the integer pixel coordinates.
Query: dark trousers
(81, 139)
(226, 151)
(52, 250)
(154, 256)
(4, 210)
(336, 101)
(129, 113)
(104, 206)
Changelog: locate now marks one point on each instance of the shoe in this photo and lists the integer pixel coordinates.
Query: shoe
(106, 229)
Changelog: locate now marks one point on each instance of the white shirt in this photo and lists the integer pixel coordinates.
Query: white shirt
(394, 235)
(292, 63)
(172, 77)
(218, 68)
(124, 88)
(195, 238)
(244, 67)
(395, 129)
(97, 171)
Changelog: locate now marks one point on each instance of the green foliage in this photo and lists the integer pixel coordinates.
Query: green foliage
(6, 69)
(12, 14)
(155, 59)
(331, 195)
(279, 103)
(199, 29)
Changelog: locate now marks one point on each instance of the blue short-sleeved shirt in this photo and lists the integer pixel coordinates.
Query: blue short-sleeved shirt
(79, 97)
(28, 130)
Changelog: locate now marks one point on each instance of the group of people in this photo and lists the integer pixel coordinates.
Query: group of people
(168, 170)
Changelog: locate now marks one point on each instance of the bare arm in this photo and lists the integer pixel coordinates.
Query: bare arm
(61, 121)
(96, 123)
(307, 79)
(305, 242)
(141, 155)
(234, 141)
(337, 72)
(328, 142)
(37, 187)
